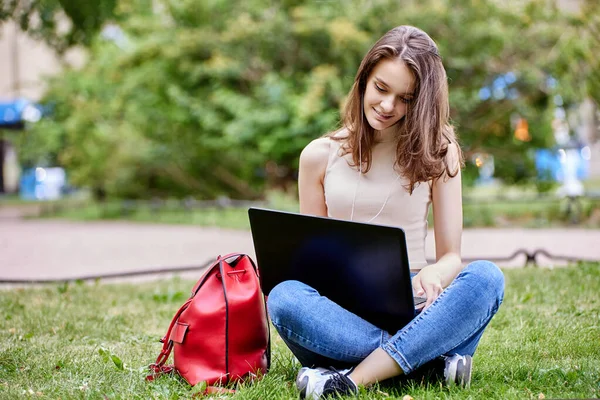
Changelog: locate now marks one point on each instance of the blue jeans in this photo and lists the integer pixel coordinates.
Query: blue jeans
(321, 333)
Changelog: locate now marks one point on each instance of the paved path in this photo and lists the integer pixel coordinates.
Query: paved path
(56, 249)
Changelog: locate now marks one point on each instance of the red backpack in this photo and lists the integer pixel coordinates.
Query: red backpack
(221, 333)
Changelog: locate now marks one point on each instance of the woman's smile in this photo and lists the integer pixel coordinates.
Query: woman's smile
(381, 116)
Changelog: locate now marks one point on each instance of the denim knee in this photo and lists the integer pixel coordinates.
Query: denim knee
(489, 277)
(282, 299)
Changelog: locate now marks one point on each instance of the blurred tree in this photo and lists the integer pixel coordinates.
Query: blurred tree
(198, 96)
(575, 58)
(63, 24)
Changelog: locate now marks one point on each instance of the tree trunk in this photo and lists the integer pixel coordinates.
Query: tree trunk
(99, 194)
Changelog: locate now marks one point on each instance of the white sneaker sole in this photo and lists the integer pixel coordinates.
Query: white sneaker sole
(303, 383)
(459, 372)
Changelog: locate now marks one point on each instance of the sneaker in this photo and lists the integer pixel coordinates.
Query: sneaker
(318, 383)
(457, 370)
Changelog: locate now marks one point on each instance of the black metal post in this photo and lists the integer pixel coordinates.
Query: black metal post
(2, 146)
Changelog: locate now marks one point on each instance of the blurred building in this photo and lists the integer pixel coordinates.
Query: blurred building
(25, 62)
(24, 65)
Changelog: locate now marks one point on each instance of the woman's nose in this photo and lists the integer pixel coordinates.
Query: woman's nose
(387, 105)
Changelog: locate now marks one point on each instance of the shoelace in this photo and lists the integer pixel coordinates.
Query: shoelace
(338, 383)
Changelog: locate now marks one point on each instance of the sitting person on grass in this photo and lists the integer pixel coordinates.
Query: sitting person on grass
(394, 155)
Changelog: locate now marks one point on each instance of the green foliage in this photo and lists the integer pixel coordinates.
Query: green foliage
(575, 56)
(201, 95)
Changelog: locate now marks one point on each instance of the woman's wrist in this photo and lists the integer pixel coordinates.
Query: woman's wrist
(446, 269)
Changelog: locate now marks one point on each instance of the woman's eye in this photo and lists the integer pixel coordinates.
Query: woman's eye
(379, 88)
(405, 100)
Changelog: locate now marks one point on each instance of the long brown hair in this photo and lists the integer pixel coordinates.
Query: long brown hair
(425, 131)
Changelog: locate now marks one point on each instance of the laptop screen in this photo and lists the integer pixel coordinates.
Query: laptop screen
(362, 267)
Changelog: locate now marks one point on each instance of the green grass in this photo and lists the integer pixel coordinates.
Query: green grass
(483, 206)
(476, 213)
(529, 213)
(10, 199)
(592, 184)
(232, 218)
(93, 341)
(169, 212)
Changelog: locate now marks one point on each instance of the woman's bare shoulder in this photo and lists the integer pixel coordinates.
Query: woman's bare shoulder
(453, 156)
(316, 153)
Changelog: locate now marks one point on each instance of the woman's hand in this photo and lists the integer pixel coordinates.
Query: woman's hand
(428, 282)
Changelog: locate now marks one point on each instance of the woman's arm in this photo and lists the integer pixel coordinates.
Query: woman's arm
(311, 174)
(447, 217)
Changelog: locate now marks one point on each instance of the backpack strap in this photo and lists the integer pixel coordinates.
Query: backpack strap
(219, 258)
(228, 256)
(264, 297)
(210, 268)
(158, 367)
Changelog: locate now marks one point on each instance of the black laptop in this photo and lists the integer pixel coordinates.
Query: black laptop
(362, 267)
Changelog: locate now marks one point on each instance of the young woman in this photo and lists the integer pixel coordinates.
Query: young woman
(395, 153)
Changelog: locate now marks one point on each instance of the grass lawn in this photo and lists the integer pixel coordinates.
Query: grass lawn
(94, 341)
(504, 213)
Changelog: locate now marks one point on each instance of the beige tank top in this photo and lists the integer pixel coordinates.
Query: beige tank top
(401, 209)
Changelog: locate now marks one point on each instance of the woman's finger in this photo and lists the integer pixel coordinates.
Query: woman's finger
(433, 291)
(417, 288)
(430, 296)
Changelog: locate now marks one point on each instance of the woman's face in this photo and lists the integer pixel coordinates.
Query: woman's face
(389, 89)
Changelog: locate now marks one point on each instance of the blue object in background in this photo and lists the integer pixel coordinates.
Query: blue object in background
(14, 113)
(549, 165)
(43, 183)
